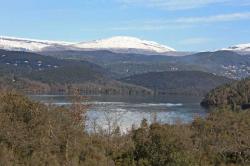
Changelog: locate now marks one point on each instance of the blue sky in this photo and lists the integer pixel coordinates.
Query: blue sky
(187, 25)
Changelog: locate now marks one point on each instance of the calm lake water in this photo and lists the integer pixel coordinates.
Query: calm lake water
(123, 111)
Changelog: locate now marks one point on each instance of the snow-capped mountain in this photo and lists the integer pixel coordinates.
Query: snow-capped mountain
(31, 45)
(119, 44)
(239, 48)
(125, 44)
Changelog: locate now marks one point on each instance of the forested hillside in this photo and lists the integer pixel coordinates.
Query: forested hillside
(34, 73)
(234, 95)
(225, 63)
(178, 82)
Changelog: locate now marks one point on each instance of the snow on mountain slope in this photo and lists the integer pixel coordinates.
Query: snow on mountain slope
(20, 44)
(124, 43)
(239, 47)
(116, 44)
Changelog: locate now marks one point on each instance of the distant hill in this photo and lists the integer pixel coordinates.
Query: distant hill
(178, 82)
(33, 65)
(130, 68)
(98, 70)
(225, 63)
(125, 64)
(31, 71)
(105, 57)
(232, 95)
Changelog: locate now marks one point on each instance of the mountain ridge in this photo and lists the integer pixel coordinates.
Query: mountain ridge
(117, 43)
(125, 42)
(239, 48)
(177, 82)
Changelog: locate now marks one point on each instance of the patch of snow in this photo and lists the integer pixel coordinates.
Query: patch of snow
(21, 44)
(116, 44)
(124, 42)
(239, 47)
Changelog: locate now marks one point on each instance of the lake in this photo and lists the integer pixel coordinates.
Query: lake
(107, 111)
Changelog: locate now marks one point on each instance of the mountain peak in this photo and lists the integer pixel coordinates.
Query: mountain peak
(121, 44)
(125, 43)
(239, 47)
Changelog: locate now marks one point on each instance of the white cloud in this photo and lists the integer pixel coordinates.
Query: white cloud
(215, 18)
(180, 23)
(180, 4)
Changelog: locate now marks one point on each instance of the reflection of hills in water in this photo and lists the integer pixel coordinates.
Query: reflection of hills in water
(97, 103)
(125, 112)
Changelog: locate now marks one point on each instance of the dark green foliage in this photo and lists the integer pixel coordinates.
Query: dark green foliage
(231, 95)
(75, 73)
(178, 82)
(132, 68)
(34, 73)
(49, 69)
(159, 145)
(129, 64)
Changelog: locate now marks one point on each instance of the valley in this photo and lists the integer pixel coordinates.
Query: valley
(125, 83)
(28, 65)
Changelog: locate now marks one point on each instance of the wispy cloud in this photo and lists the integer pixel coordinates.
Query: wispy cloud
(180, 4)
(215, 18)
(179, 23)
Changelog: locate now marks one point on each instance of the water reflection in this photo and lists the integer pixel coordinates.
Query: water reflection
(107, 111)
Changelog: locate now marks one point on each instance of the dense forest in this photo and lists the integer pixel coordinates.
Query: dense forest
(33, 73)
(178, 82)
(36, 134)
(224, 63)
(235, 95)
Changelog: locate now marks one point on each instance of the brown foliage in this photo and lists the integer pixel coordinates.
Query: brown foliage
(35, 134)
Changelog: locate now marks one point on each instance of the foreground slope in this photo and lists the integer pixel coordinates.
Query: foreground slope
(37, 134)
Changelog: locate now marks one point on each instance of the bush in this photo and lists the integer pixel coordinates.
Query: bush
(35, 134)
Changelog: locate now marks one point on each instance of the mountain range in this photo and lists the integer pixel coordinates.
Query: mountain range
(105, 65)
(35, 73)
(120, 44)
(224, 63)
